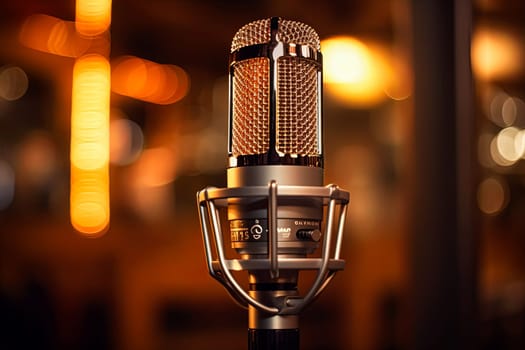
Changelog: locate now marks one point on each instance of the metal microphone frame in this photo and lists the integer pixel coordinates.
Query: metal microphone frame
(211, 199)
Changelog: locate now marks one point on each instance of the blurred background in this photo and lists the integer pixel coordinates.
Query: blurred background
(433, 158)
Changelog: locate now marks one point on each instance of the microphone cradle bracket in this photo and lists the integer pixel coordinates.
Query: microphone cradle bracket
(211, 199)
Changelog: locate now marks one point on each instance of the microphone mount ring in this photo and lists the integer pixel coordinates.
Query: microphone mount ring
(211, 199)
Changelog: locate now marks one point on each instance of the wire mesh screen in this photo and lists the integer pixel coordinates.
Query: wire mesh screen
(296, 97)
(298, 33)
(257, 32)
(251, 107)
(296, 107)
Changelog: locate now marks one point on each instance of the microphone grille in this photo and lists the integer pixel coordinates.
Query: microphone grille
(296, 106)
(297, 118)
(251, 107)
(259, 32)
(253, 33)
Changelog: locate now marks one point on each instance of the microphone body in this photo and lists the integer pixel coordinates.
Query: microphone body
(275, 199)
(275, 135)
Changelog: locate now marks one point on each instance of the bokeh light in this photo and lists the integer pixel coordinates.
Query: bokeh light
(13, 83)
(400, 87)
(89, 201)
(495, 54)
(354, 73)
(93, 17)
(495, 154)
(496, 108)
(506, 144)
(53, 35)
(503, 109)
(155, 167)
(492, 196)
(90, 113)
(509, 110)
(37, 159)
(126, 141)
(89, 197)
(149, 190)
(519, 143)
(149, 81)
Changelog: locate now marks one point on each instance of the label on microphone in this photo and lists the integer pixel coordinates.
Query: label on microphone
(256, 230)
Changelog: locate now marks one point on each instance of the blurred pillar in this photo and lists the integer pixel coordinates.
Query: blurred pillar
(443, 241)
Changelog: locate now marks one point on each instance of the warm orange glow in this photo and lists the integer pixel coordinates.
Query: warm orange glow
(90, 144)
(495, 54)
(400, 87)
(149, 81)
(89, 200)
(149, 191)
(155, 167)
(93, 17)
(354, 73)
(53, 35)
(90, 112)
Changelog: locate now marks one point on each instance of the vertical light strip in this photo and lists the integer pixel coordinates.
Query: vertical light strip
(93, 17)
(89, 196)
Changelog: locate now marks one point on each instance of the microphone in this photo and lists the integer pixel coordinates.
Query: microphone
(278, 211)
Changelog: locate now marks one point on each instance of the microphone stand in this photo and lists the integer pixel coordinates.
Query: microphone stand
(273, 301)
(268, 331)
(276, 339)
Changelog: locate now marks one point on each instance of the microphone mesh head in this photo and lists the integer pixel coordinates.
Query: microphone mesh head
(259, 32)
(296, 88)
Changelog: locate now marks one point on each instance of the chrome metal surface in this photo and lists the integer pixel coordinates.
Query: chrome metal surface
(284, 264)
(210, 200)
(268, 321)
(261, 175)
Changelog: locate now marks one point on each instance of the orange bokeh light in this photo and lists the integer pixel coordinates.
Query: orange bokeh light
(53, 35)
(496, 54)
(89, 200)
(355, 73)
(93, 17)
(149, 81)
(90, 112)
(156, 167)
(89, 197)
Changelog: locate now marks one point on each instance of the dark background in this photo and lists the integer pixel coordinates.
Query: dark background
(428, 265)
